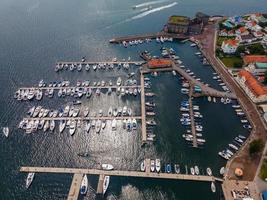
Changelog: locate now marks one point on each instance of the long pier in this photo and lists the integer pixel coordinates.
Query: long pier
(148, 36)
(160, 175)
(193, 128)
(143, 108)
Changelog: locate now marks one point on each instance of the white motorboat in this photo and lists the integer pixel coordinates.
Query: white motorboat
(212, 187)
(29, 179)
(87, 126)
(72, 127)
(119, 81)
(222, 170)
(196, 170)
(62, 125)
(106, 184)
(52, 125)
(152, 165)
(107, 167)
(143, 165)
(209, 172)
(158, 165)
(192, 171)
(114, 124)
(84, 185)
(98, 126)
(6, 131)
(86, 112)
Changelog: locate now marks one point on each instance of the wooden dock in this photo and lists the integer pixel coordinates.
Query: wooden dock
(140, 174)
(193, 128)
(148, 36)
(99, 189)
(75, 187)
(143, 108)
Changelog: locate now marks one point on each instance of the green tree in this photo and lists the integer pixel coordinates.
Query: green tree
(256, 146)
(238, 64)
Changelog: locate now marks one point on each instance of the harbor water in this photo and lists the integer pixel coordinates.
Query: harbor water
(36, 34)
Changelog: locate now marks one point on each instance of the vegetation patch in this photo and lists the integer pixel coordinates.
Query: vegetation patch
(263, 171)
(220, 39)
(232, 61)
(256, 146)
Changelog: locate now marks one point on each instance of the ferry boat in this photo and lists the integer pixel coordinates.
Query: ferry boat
(84, 185)
(143, 166)
(107, 167)
(152, 165)
(6, 131)
(158, 166)
(209, 172)
(177, 168)
(106, 184)
(29, 179)
(212, 187)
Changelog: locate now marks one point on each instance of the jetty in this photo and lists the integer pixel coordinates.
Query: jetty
(75, 187)
(97, 63)
(143, 108)
(148, 36)
(83, 118)
(193, 128)
(202, 178)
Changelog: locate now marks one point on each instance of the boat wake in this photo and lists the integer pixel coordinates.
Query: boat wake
(153, 10)
(143, 14)
(149, 3)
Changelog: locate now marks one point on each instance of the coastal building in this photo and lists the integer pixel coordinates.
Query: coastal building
(229, 46)
(202, 18)
(159, 63)
(236, 20)
(257, 68)
(258, 34)
(253, 88)
(177, 24)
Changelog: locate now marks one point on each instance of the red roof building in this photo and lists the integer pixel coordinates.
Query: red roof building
(255, 58)
(252, 84)
(159, 63)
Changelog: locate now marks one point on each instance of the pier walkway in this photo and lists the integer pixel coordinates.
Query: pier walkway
(121, 173)
(143, 108)
(193, 128)
(147, 36)
(75, 187)
(96, 63)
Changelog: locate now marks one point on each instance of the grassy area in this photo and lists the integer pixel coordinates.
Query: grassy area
(263, 171)
(220, 40)
(232, 61)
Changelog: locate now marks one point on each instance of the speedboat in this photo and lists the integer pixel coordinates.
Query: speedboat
(110, 111)
(134, 124)
(158, 166)
(98, 126)
(209, 172)
(119, 81)
(177, 168)
(52, 125)
(222, 170)
(143, 166)
(46, 125)
(103, 125)
(152, 165)
(29, 179)
(114, 124)
(84, 185)
(212, 187)
(233, 147)
(87, 126)
(86, 112)
(6, 131)
(106, 184)
(107, 167)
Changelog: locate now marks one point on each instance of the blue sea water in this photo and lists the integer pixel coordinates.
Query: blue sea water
(34, 34)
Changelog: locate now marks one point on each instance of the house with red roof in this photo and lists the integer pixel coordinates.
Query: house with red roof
(242, 31)
(230, 46)
(255, 59)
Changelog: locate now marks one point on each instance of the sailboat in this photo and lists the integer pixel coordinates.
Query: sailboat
(84, 185)
(106, 184)
(29, 179)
